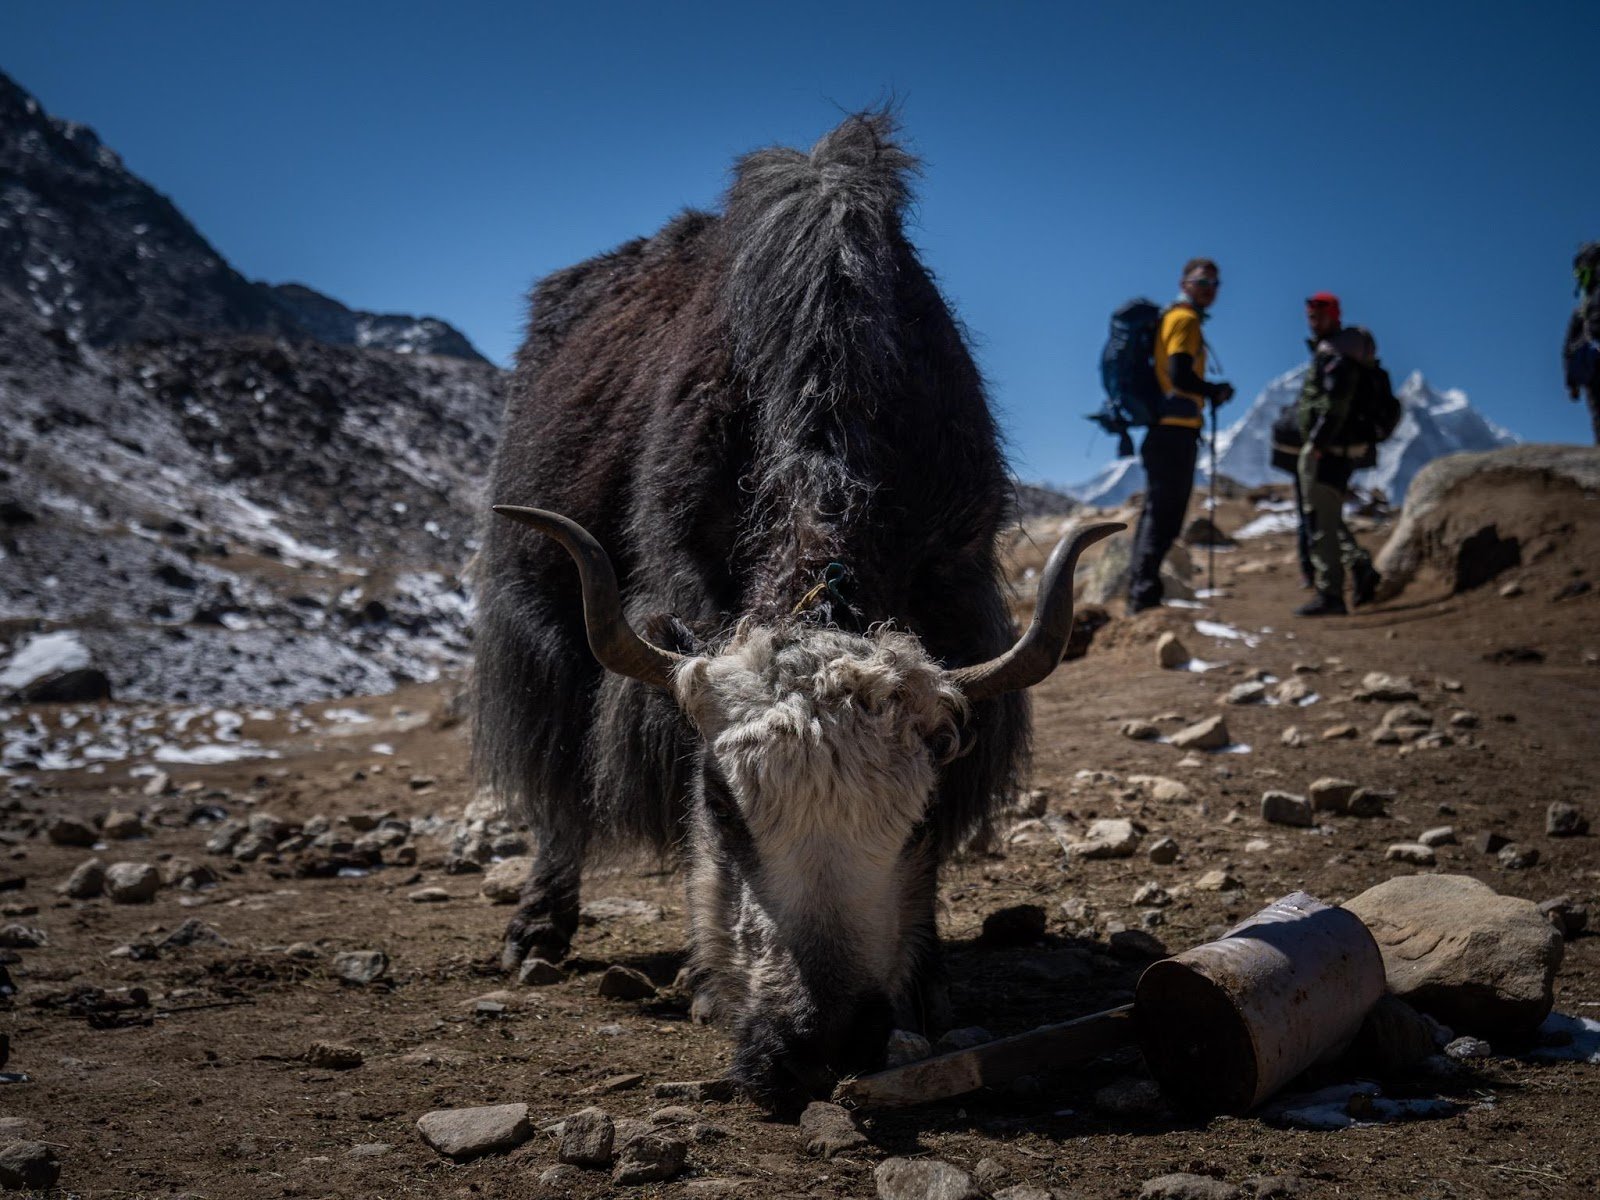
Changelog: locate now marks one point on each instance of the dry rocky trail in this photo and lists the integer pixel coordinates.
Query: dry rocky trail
(280, 979)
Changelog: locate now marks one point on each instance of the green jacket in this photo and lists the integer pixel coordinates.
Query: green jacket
(1326, 395)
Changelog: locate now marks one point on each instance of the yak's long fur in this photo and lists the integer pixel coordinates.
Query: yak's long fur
(729, 406)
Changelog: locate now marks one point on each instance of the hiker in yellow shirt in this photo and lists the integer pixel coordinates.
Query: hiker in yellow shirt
(1172, 443)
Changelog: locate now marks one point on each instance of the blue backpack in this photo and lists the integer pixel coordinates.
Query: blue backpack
(1128, 373)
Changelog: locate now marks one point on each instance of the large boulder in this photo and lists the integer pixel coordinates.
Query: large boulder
(1103, 577)
(1468, 517)
(1480, 962)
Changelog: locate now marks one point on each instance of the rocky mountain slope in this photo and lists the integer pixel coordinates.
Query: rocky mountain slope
(222, 490)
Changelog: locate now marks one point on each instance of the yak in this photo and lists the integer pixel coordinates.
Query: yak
(786, 656)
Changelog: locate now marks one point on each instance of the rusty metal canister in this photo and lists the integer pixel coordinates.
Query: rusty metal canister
(1226, 1024)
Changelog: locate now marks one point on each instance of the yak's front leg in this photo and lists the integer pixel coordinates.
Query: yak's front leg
(547, 912)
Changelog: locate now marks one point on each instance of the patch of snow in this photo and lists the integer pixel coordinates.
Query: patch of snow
(1584, 1045)
(207, 755)
(1272, 522)
(43, 655)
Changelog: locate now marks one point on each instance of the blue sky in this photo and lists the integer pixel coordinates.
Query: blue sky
(1432, 163)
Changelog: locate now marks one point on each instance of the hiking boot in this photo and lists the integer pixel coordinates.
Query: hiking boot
(1365, 586)
(1135, 607)
(1323, 606)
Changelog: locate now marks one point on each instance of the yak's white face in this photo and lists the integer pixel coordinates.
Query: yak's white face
(821, 751)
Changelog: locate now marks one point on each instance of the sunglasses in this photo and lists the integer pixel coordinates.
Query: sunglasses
(1205, 281)
(1319, 304)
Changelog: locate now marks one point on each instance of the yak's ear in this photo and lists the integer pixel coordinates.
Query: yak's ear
(670, 633)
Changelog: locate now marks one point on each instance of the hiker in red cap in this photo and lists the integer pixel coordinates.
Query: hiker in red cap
(1336, 440)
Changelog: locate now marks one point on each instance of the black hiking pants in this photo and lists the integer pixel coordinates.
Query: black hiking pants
(1168, 454)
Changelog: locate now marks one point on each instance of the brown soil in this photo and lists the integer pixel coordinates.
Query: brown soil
(204, 1092)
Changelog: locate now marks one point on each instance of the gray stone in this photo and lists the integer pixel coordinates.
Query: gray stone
(560, 1179)
(69, 831)
(225, 836)
(1369, 802)
(1130, 1098)
(1442, 835)
(828, 1130)
(1023, 1191)
(186, 874)
(1107, 838)
(904, 1047)
(1466, 1048)
(193, 932)
(1414, 853)
(1183, 1186)
(1565, 820)
(587, 1138)
(1341, 732)
(1480, 962)
(1566, 915)
(1210, 734)
(157, 784)
(964, 1038)
(1140, 731)
(369, 1150)
(1152, 895)
(120, 826)
(649, 1157)
(132, 883)
(673, 1114)
(463, 1133)
(1517, 858)
(1285, 808)
(361, 966)
(696, 1091)
(1246, 693)
(1292, 691)
(1171, 654)
(28, 1165)
(502, 883)
(88, 880)
(1159, 787)
(429, 895)
(1332, 795)
(1386, 689)
(1463, 719)
(922, 1179)
(1490, 842)
(1163, 850)
(1217, 881)
(626, 983)
(539, 972)
(22, 937)
(1277, 1187)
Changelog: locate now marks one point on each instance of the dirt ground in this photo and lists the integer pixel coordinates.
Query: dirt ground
(204, 1091)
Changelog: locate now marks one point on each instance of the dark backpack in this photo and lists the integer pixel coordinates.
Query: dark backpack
(1375, 411)
(1128, 372)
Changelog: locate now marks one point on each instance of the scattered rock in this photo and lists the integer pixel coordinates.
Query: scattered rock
(1140, 731)
(121, 826)
(1285, 808)
(1292, 691)
(1131, 1098)
(88, 880)
(1518, 858)
(1152, 895)
(132, 883)
(369, 1150)
(1568, 916)
(615, 908)
(193, 932)
(1393, 1038)
(1464, 1049)
(1018, 925)
(1332, 795)
(649, 1157)
(157, 784)
(1277, 1187)
(1292, 737)
(1217, 881)
(1163, 850)
(906, 1047)
(1135, 944)
(696, 1091)
(1489, 842)
(28, 1165)
(69, 831)
(502, 883)
(1171, 654)
(829, 1130)
(1183, 1186)
(1443, 835)
(429, 895)
(1369, 802)
(330, 1056)
(1480, 962)
(1337, 733)
(1111, 837)
(1565, 820)
(1024, 1191)
(1386, 689)
(539, 972)
(587, 1138)
(1210, 734)
(1462, 719)
(1414, 853)
(1246, 693)
(1160, 788)
(463, 1133)
(22, 937)
(1202, 531)
(922, 1179)
(187, 875)
(626, 983)
(964, 1038)
(361, 966)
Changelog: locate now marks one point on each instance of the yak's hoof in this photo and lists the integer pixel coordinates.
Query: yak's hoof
(536, 938)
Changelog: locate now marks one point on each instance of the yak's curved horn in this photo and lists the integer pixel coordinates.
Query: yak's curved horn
(612, 639)
(1039, 650)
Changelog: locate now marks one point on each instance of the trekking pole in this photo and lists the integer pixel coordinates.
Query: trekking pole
(1211, 514)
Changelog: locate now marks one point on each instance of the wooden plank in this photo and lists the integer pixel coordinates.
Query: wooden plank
(1044, 1049)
